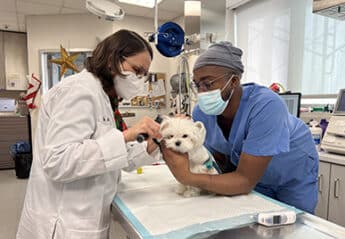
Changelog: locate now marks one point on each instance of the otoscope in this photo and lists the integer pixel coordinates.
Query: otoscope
(144, 136)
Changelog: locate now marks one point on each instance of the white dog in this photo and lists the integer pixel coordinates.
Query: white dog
(185, 136)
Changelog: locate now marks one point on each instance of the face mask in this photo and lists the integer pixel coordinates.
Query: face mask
(211, 102)
(129, 85)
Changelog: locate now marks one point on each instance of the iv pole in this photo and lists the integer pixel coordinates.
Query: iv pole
(183, 67)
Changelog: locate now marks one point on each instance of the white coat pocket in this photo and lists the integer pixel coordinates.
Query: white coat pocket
(103, 125)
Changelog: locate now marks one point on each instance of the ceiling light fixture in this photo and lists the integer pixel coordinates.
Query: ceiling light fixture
(142, 3)
(192, 8)
(105, 9)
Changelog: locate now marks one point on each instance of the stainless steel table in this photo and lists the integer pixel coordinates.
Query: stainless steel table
(307, 226)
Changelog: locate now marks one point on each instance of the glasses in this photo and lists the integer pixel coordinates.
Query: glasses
(140, 72)
(207, 84)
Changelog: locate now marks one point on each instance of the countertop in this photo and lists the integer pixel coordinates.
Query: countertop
(10, 114)
(332, 158)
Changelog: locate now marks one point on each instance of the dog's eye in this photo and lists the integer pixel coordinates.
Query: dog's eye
(170, 136)
(185, 136)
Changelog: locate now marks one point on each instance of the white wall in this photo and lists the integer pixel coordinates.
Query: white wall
(80, 31)
(212, 21)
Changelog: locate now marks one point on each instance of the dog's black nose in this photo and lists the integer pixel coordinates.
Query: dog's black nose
(178, 143)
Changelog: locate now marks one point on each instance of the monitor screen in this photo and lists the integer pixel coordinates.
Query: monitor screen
(340, 105)
(7, 105)
(293, 102)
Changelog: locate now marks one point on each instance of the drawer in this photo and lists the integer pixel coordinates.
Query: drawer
(13, 129)
(5, 146)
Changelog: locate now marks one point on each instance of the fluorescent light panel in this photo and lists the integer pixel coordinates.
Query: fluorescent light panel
(142, 3)
(192, 8)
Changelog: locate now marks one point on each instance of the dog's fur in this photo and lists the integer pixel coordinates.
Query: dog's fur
(185, 136)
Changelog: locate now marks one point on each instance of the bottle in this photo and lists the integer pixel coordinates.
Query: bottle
(323, 125)
(139, 170)
(316, 132)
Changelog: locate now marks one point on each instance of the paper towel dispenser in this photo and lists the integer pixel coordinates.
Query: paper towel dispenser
(330, 8)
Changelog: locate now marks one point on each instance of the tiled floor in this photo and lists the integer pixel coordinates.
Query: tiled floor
(12, 192)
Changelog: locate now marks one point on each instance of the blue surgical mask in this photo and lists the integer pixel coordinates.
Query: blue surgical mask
(212, 103)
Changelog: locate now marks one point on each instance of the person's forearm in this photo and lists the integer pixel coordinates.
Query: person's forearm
(225, 184)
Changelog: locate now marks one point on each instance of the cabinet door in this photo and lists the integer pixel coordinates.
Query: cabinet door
(16, 62)
(336, 210)
(2, 63)
(323, 184)
(12, 129)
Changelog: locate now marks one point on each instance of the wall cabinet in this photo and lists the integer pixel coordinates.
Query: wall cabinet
(16, 60)
(331, 182)
(13, 61)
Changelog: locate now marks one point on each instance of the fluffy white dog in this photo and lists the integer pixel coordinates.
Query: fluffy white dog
(185, 136)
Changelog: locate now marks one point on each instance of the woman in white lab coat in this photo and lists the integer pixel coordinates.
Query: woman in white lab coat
(78, 150)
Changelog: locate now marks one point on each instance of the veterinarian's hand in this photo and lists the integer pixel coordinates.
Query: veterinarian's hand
(178, 163)
(145, 125)
(151, 146)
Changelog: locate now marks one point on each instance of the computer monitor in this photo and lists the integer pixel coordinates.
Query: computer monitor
(340, 104)
(293, 102)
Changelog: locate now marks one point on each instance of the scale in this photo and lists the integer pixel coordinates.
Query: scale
(334, 138)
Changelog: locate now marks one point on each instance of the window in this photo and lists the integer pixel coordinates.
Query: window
(283, 41)
(50, 72)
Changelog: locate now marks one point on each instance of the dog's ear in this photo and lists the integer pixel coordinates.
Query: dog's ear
(201, 128)
(199, 125)
(164, 123)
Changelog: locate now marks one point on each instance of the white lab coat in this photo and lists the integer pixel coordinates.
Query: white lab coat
(78, 156)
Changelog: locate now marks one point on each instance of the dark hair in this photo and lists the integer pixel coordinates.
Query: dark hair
(110, 52)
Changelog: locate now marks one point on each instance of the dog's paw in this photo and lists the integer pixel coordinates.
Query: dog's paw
(191, 193)
(180, 189)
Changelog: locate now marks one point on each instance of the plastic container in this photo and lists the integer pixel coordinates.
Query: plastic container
(316, 132)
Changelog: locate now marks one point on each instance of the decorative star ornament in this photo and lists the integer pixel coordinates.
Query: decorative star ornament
(66, 61)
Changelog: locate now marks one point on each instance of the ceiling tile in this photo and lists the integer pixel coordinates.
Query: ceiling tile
(58, 3)
(76, 4)
(30, 8)
(133, 10)
(174, 10)
(66, 10)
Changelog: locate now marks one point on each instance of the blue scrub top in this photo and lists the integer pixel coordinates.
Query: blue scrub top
(263, 127)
